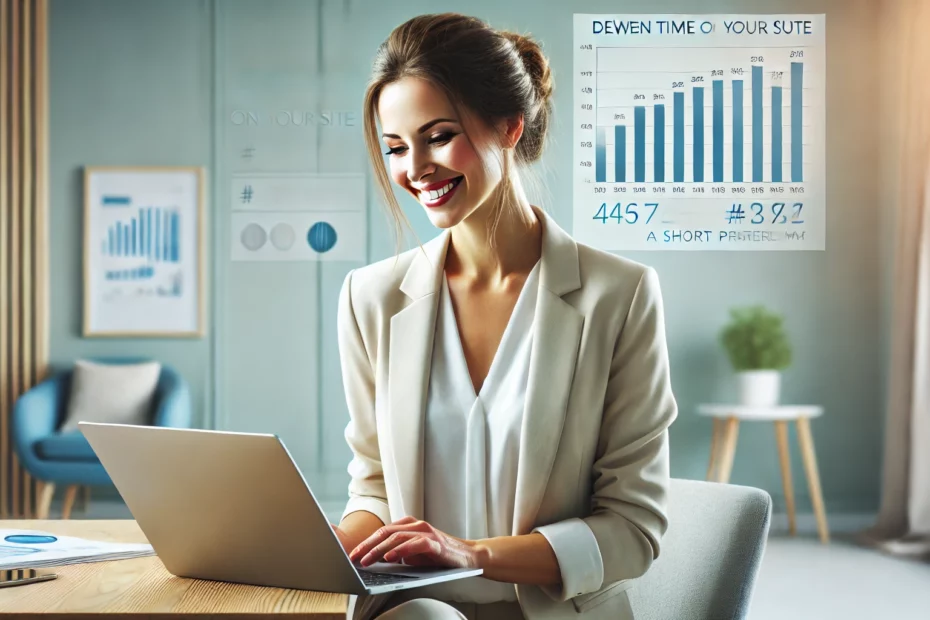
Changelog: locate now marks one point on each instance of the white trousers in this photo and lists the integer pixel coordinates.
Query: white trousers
(381, 608)
(422, 609)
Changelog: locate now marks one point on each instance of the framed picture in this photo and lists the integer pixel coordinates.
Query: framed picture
(144, 251)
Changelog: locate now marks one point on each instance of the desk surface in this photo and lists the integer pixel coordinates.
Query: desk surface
(142, 586)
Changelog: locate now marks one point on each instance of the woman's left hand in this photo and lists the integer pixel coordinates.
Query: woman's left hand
(416, 543)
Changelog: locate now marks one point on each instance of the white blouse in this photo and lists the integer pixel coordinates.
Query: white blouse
(472, 441)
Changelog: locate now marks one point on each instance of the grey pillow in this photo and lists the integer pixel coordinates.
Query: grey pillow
(113, 393)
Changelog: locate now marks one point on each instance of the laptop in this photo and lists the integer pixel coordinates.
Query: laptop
(234, 507)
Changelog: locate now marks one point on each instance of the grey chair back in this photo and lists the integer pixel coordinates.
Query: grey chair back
(710, 555)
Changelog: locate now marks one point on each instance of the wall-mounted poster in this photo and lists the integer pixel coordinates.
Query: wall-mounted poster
(144, 250)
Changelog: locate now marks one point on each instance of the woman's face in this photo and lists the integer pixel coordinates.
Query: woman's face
(429, 154)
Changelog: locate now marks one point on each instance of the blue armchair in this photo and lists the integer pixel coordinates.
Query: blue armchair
(67, 458)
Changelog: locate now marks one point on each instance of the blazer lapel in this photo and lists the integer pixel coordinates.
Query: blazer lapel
(411, 349)
(556, 341)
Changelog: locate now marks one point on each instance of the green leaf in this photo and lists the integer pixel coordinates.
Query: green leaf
(755, 339)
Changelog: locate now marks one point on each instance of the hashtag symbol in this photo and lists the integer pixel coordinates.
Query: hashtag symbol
(736, 214)
(246, 194)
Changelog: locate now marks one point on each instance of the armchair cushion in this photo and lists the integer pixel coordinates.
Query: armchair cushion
(115, 393)
(69, 446)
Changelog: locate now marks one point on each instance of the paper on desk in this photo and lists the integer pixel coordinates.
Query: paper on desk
(61, 550)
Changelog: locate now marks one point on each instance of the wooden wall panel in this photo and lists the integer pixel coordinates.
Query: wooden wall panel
(23, 228)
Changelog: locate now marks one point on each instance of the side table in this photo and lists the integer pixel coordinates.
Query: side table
(723, 447)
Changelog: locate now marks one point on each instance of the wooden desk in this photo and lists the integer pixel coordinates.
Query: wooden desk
(140, 587)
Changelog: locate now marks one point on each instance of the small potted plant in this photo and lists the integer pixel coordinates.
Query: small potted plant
(758, 348)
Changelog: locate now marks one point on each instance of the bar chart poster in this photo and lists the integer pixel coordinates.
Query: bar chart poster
(699, 132)
(143, 251)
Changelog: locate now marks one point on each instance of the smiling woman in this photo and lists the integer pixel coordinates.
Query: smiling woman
(508, 387)
(451, 105)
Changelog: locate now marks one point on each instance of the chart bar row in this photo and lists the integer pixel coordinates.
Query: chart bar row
(154, 234)
(756, 144)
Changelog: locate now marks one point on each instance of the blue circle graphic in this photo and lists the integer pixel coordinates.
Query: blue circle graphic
(322, 237)
(30, 539)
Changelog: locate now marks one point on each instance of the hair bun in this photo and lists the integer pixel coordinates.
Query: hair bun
(535, 62)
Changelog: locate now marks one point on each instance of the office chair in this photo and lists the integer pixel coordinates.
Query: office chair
(67, 458)
(710, 555)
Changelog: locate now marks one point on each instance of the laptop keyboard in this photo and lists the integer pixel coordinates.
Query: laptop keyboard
(382, 579)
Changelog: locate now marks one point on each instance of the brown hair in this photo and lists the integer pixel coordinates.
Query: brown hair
(492, 74)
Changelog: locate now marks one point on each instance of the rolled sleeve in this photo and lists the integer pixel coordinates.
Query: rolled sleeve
(579, 558)
(630, 474)
(369, 504)
(366, 484)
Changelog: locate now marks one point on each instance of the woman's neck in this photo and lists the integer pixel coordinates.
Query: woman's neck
(516, 249)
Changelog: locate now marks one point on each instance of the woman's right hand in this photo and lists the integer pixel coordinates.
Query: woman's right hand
(343, 538)
(355, 528)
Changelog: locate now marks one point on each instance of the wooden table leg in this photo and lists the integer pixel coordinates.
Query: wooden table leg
(715, 441)
(44, 499)
(728, 449)
(784, 457)
(813, 478)
(68, 503)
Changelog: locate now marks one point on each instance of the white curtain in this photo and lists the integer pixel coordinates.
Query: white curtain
(903, 525)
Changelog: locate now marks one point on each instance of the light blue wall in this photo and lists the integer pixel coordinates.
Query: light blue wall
(130, 83)
(144, 82)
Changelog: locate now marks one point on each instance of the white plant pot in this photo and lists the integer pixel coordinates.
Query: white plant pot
(759, 388)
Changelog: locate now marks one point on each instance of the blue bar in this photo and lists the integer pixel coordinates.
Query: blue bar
(148, 232)
(797, 91)
(718, 131)
(133, 235)
(110, 237)
(166, 238)
(757, 124)
(125, 240)
(639, 144)
(698, 157)
(776, 134)
(600, 156)
(157, 234)
(119, 238)
(116, 200)
(141, 232)
(658, 142)
(175, 237)
(620, 154)
(679, 137)
(737, 131)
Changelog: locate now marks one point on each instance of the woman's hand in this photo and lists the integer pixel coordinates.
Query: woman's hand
(417, 543)
(343, 538)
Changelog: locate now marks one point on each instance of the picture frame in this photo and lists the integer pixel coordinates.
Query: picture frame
(144, 251)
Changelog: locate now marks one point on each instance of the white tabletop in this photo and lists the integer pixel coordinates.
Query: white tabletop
(743, 412)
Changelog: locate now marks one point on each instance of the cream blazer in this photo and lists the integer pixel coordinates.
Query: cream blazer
(594, 440)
